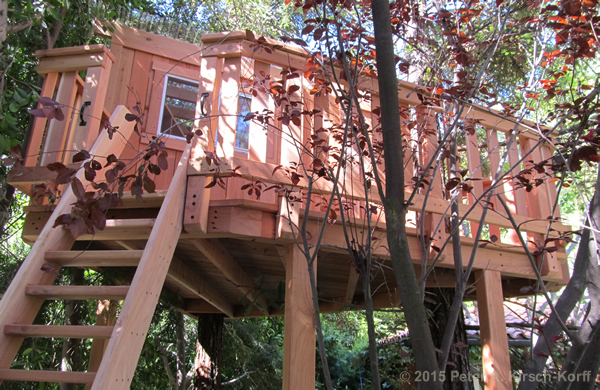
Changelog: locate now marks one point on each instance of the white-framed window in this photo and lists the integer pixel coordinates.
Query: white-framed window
(178, 109)
(242, 128)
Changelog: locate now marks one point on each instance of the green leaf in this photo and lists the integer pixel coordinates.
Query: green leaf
(56, 14)
(17, 98)
(24, 94)
(14, 106)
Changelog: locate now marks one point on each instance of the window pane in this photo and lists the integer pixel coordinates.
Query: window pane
(179, 106)
(243, 128)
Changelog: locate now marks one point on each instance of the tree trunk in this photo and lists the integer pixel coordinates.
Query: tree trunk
(209, 352)
(439, 301)
(393, 199)
(180, 341)
(585, 261)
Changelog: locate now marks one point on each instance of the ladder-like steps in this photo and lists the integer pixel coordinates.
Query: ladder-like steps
(96, 258)
(59, 331)
(47, 376)
(116, 293)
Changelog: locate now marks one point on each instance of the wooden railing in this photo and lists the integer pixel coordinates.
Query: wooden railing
(229, 66)
(486, 144)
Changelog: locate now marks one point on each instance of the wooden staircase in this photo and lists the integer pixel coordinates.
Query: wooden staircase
(32, 285)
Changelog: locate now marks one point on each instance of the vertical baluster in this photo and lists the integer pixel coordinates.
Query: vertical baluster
(493, 148)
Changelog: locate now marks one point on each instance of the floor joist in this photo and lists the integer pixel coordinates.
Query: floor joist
(216, 252)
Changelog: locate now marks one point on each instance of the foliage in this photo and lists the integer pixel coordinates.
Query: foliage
(253, 353)
(271, 18)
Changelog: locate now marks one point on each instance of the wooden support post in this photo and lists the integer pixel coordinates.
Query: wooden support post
(299, 330)
(288, 218)
(197, 198)
(494, 341)
(552, 194)
(538, 206)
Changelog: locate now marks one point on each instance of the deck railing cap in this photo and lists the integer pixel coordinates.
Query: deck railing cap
(74, 50)
(225, 37)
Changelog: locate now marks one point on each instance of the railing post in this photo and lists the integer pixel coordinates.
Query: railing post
(197, 199)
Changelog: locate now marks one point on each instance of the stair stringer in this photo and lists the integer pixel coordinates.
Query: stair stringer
(122, 353)
(18, 308)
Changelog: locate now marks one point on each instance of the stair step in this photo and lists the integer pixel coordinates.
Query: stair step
(116, 229)
(59, 331)
(116, 293)
(47, 376)
(99, 258)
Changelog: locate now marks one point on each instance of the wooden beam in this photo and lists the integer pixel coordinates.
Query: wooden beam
(59, 331)
(494, 341)
(72, 63)
(299, 329)
(47, 376)
(180, 274)
(201, 306)
(183, 275)
(216, 252)
(123, 351)
(78, 292)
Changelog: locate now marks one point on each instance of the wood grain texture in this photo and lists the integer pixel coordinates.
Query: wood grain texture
(94, 91)
(78, 292)
(122, 352)
(494, 341)
(155, 44)
(54, 144)
(59, 331)
(34, 146)
(221, 258)
(16, 307)
(47, 376)
(299, 329)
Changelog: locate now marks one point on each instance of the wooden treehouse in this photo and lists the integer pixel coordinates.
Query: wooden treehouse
(220, 249)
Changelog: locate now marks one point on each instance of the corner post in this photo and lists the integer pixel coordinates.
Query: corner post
(299, 332)
(494, 342)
